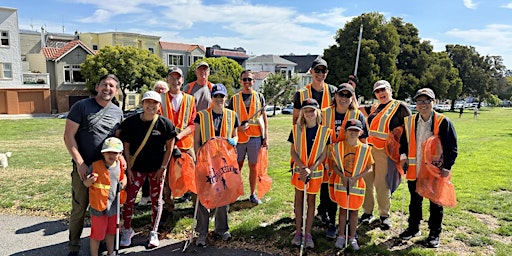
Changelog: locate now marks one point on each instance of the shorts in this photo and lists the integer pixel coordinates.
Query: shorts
(251, 148)
(101, 225)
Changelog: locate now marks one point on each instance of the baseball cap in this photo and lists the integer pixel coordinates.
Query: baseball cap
(152, 95)
(346, 87)
(112, 144)
(425, 91)
(381, 84)
(202, 63)
(310, 103)
(219, 89)
(319, 62)
(354, 124)
(175, 70)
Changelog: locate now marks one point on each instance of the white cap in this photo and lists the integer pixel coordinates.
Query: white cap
(152, 95)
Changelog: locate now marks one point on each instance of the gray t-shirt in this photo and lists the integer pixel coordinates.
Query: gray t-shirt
(112, 194)
(96, 124)
(202, 94)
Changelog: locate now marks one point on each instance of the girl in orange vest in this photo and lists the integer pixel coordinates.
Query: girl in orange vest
(351, 160)
(308, 151)
(104, 177)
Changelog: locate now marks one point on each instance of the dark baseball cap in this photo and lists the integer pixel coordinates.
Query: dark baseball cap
(425, 91)
(346, 87)
(354, 124)
(310, 103)
(318, 62)
(219, 89)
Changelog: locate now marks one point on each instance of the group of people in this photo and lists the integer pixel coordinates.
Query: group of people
(338, 150)
(113, 157)
(350, 154)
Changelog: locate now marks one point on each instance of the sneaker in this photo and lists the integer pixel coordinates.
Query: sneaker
(153, 239)
(185, 198)
(353, 243)
(145, 201)
(409, 233)
(365, 218)
(340, 242)
(309, 241)
(226, 236)
(385, 223)
(297, 239)
(433, 241)
(126, 237)
(254, 199)
(332, 231)
(323, 218)
(201, 240)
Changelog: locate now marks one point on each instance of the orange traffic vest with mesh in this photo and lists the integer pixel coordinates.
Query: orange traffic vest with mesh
(379, 128)
(239, 107)
(182, 119)
(208, 129)
(337, 190)
(99, 190)
(306, 93)
(410, 132)
(300, 145)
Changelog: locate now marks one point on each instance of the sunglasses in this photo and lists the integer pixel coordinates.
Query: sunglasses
(318, 70)
(346, 95)
(218, 95)
(379, 90)
(420, 102)
(247, 79)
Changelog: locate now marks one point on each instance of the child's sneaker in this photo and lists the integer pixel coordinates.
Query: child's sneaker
(297, 239)
(353, 243)
(126, 237)
(254, 199)
(153, 239)
(309, 241)
(340, 242)
(331, 231)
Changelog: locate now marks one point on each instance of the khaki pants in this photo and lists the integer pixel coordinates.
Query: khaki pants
(79, 204)
(376, 182)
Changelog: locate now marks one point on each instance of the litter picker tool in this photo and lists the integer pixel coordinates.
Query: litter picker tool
(118, 202)
(304, 216)
(347, 223)
(194, 225)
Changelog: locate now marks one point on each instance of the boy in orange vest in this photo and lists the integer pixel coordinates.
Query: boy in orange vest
(104, 176)
(351, 161)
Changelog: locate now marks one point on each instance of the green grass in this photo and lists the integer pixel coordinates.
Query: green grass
(37, 181)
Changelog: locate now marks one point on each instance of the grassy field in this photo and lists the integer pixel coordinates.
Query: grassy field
(37, 182)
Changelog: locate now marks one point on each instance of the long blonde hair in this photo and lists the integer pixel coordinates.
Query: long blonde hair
(301, 121)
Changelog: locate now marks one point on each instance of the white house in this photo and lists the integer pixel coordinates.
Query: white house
(271, 63)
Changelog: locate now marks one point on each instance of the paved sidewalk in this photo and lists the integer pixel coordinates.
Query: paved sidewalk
(37, 236)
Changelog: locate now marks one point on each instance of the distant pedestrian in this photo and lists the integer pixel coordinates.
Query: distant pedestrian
(475, 112)
(461, 110)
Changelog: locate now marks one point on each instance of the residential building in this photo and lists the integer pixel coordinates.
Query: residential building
(181, 55)
(271, 63)
(302, 69)
(259, 79)
(238, 54)
(19, 93)
(97, 41)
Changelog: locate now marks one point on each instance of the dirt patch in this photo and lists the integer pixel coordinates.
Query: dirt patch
(490, 221)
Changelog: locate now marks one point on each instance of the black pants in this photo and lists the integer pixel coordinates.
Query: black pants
(415, 211)
(327, 207)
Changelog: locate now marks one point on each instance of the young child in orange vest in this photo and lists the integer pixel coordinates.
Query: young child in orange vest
(104, 176)
(308, 151)
(351, 161)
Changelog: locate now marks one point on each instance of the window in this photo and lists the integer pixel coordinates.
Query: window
(151, 49)
(72, 74)
(175, 60)
(193, 59)
(131, 100)
(95, 47)
(5, 71)
(4, 38)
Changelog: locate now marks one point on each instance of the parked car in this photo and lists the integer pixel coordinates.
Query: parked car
(132, 112)
(270, 110)
(412, 107)
(442, 107)
(287, 110)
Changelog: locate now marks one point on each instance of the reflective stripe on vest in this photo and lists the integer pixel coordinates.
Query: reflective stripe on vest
(306, 93)
(410, 132)
(379, 128)
(184, 115)
(208, 128)
(328, 118)
(254, 129)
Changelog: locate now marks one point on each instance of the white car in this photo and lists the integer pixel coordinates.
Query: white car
(270, 110)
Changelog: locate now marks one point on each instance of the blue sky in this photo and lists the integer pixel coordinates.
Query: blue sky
(274, 26)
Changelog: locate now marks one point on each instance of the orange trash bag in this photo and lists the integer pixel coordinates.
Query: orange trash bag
(263, 180)
(430, 184)
(218, 179)
(392, 147)
(182, 175)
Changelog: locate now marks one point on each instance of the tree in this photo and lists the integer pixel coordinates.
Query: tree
(133, 66)
(222, 70)
(274, 84)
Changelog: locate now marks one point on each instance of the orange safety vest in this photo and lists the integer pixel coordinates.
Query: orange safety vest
(410, 132)
(182, 119)
(306, 93)
(99, 190)
(299, 137)
(379, 128)
(208, 129)
(239, 107)
(337, 190)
